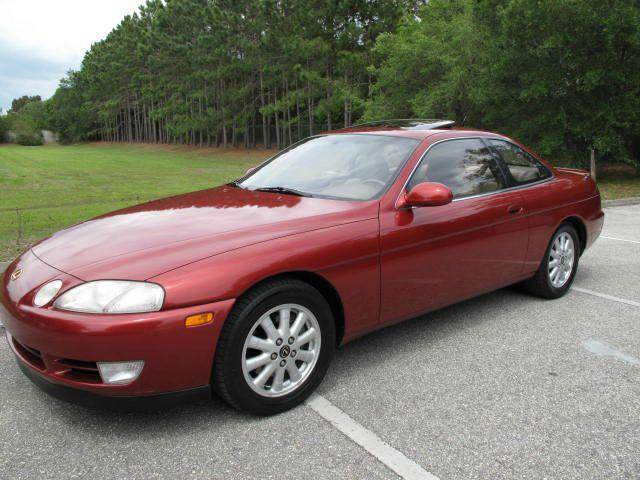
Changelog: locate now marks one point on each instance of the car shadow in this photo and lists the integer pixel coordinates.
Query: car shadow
(424, 332)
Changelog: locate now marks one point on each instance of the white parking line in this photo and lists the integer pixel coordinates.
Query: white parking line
(608, 297)
(602, 349)
(620, 239)
(389, 456)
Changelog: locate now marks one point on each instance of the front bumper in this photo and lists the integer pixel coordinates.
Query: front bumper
(92, 400)
(61, 348)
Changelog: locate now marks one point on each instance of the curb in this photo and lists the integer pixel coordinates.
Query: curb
(620, 202)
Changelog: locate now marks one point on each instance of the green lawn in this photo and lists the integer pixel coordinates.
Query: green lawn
(618, 181)
(43, 189)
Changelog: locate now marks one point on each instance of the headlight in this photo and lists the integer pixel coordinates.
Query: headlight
(112, 296)
(46, 293)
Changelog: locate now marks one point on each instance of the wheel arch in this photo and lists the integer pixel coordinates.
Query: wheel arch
(581, 229)
(320, 283)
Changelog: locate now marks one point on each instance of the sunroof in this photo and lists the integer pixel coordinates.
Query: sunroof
(409, 123)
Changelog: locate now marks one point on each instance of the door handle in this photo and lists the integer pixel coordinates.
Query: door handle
(515, 209)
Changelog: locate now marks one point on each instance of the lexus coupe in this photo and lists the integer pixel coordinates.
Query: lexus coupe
(247, 289)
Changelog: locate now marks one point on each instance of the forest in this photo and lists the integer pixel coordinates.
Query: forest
(562, 76)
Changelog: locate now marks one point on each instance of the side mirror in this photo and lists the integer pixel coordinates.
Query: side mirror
(426, 194)
(249, 171)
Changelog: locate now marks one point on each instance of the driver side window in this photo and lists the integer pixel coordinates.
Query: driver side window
(466, 166)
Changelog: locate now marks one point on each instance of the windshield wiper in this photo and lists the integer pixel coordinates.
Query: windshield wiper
(286, 190)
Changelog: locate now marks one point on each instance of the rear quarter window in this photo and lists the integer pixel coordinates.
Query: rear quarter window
(522, 168)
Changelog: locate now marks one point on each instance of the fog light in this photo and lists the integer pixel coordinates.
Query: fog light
(120, 373)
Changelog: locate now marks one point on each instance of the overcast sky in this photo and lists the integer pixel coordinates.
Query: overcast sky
(40, 40)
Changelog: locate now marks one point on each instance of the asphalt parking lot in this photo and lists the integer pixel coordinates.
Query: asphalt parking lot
(501, 386)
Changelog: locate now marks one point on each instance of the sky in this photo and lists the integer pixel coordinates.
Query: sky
(40, 40)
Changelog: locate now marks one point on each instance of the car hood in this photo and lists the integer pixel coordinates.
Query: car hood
(145, 240)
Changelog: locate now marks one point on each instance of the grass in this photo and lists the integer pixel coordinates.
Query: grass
(618, 181)
(44, 189)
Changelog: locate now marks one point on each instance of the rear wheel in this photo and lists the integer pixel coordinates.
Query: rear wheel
(559, 265)
(275, 347)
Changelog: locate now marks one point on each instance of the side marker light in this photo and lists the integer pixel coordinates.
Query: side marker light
(200, 319)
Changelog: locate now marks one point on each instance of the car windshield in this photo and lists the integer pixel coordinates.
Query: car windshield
(343, 166)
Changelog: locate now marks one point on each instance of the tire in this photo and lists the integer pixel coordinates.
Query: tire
(234, 378)
(541, 284)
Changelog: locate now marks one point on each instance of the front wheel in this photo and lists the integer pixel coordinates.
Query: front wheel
(559, 265)
(275, 347)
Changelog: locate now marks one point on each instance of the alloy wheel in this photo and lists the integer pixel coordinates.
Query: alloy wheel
(281, 350)
(561, 259)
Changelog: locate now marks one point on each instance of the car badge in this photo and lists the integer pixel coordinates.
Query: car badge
(16, 274)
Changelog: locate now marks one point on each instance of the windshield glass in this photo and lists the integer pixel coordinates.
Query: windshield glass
(345, 166)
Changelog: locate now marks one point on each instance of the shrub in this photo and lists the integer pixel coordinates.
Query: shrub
(29, 139)
(4, 128)
(28, 123)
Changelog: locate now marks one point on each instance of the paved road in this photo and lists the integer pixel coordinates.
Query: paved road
(501, 386)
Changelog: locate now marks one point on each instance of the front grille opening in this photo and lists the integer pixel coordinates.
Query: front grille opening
(75, 370)
(80, 370)
(31, 355)
(78, 364)
(82, 376)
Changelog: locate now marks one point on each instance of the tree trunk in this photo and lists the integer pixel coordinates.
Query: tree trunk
(299, 133)
(328, 91)
(310, 107)
(275, 99)
(264, 117)
(346, 101)
(129, 126)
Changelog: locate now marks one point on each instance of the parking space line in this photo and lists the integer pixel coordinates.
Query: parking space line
(389, 456)
(608, 297)
(620, 239)
(602, 349)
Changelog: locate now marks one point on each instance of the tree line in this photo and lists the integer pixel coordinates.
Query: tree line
(561, 75)
(219, 72)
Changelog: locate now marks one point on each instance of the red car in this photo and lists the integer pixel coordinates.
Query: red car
(248, 288)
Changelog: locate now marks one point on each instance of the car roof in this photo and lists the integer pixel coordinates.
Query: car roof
(421, 129)
(410, 127)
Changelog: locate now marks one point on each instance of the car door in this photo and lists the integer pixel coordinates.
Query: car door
(524, 170)
(435, 256)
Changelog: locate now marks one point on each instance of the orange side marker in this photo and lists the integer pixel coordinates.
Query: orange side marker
(200, 319)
